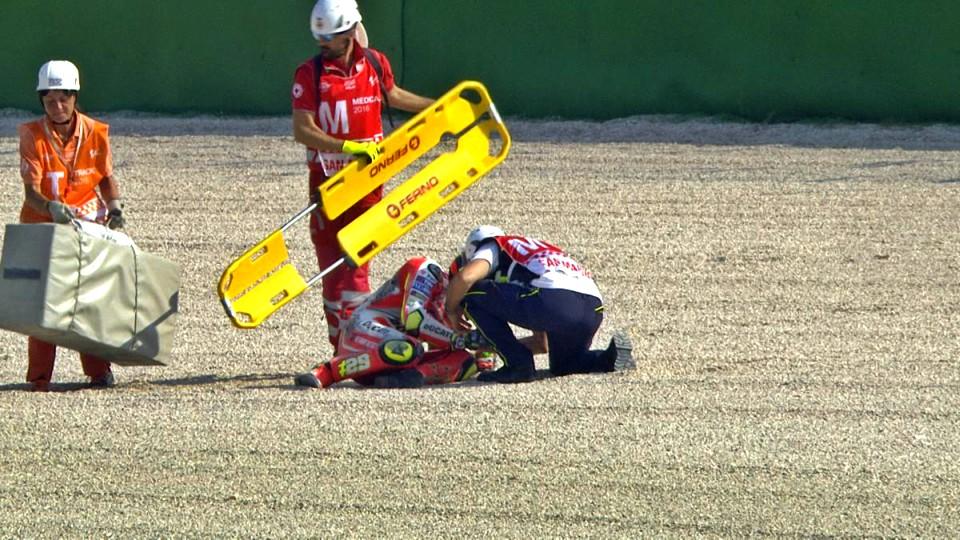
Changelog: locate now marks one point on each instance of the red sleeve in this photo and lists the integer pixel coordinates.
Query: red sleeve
(388, 81)
(303, 95)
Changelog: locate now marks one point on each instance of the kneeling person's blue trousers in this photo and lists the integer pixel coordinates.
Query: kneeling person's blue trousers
(570, 320)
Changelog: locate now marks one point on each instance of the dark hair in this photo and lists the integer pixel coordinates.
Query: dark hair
(69, 92)
(42, 93)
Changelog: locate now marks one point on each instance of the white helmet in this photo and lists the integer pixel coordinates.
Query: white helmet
(333, 16)
(476, 237)
(58, 75)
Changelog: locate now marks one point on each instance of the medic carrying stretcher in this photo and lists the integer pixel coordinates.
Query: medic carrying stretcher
(264, 279)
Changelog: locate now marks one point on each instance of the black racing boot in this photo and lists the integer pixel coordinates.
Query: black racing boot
(404, 378)
(509, 374)
(106, 380)
(619, 354)
(308, 379)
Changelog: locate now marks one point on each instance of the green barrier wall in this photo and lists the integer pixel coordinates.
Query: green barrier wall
(161, 55)
(873, 60)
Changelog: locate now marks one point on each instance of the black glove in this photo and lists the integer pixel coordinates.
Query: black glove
(471, 340)
(115, 219)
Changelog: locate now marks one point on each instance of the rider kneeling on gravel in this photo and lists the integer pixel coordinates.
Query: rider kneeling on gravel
(397, 337)
(504, 280)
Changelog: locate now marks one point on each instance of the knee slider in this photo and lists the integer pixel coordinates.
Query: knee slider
(399, 352)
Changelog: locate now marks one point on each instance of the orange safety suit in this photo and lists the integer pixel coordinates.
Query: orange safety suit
(68, 171)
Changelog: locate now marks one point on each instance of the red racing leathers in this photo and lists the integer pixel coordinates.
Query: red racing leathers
(346, 103)
(400, 326)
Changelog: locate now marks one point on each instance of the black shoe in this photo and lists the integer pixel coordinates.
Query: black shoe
(103, 381)
(405, 378)
(619, 353)
(307, 379)
(509, 375)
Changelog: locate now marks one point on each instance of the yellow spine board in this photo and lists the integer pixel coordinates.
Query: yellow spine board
(263, 279)
(405, 206)
(259, 282)
(450, 114)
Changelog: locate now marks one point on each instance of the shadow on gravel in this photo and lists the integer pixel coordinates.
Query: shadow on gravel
(201, 380)
(258, 381)
(280, 381)
(284, 381)
(54, 387)
(353, 385)
(262, 381)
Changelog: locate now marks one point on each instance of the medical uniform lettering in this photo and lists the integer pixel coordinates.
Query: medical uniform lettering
(337, 122)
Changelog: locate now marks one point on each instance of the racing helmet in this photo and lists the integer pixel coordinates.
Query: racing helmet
(439, 292)
(476, 237)
(456, 265)
(331, 17)
(442, 277)
(58, 75)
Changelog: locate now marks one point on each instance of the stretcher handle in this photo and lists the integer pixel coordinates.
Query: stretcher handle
(300, 215)
(312, 281)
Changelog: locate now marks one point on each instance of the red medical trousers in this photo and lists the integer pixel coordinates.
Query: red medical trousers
(42, 355)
